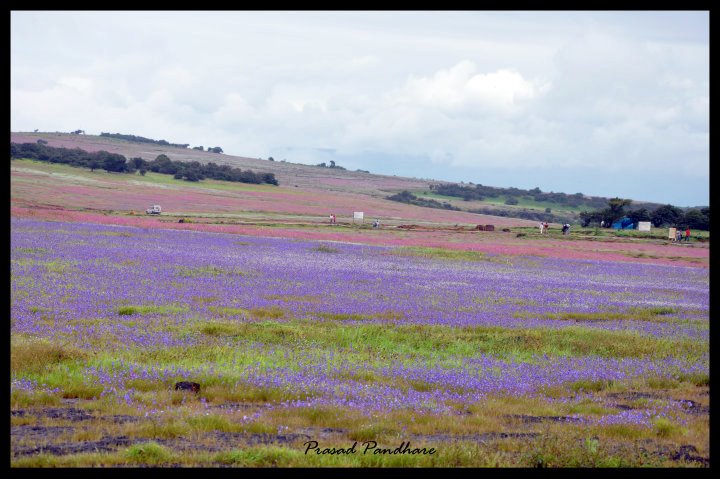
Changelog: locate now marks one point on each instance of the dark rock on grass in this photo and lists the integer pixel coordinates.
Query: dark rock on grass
(187, 386)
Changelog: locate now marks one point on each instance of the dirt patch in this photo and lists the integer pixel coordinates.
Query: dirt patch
(237, 406)
(238, 439)
(122, 418)
(105, 444)
(527, 419)
(70, 414)
(685, 453)
(38, 432)
(693, 407)
(485, 437)
(633, 395)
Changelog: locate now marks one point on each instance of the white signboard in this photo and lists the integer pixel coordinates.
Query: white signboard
(671, 234)
(358, 215)
(643, 226)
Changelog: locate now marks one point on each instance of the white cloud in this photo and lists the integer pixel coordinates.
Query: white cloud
(460, 87)
(469, 90)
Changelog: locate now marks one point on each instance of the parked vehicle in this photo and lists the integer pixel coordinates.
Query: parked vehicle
(155, 210)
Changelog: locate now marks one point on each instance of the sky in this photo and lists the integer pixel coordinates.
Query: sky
(606, 103)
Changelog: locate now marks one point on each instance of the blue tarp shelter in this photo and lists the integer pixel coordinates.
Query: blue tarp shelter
(624, 223)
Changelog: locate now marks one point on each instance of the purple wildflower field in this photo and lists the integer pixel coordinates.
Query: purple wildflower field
(335, 326)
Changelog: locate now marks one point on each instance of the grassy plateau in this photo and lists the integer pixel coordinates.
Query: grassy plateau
(422, 343)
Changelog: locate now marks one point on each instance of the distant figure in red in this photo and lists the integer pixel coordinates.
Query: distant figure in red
(332, 218)
(687, 235)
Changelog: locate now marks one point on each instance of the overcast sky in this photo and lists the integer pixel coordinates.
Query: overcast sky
(603, 103)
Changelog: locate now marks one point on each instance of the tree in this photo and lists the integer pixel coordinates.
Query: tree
(589, 217)
(112, 161)
(137, 163)
(666, 215)
(615, 210)
(617, 206)
(215, 149)
(511, 201)
(163, 164)
(696, 219)
(641, 214)
(332, 164)
(192, 175)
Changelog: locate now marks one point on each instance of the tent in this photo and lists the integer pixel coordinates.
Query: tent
(624, 223)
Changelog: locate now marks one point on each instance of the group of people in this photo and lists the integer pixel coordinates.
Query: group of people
(679, 235)
(544, 228)
(332, 219)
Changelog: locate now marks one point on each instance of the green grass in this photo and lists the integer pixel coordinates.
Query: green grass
(33, 355)
(54, 266)
(325, 249)
(499, 200)
(653, 314)
(131, 310)
(440, 253)
(150, 177)
(150, 453)
(202, 271)
(438, 342)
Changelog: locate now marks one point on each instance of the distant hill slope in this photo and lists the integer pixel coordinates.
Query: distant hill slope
(288, 174)
(317, 178)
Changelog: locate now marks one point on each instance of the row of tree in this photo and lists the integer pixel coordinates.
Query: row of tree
(331, 165)
(113, 162)
(142, 139)
(665, 215)
(524, 213)
(409, 198)
(480, 192)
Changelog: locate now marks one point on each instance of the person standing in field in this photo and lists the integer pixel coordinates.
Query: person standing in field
(687, 235)
(542, 227)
